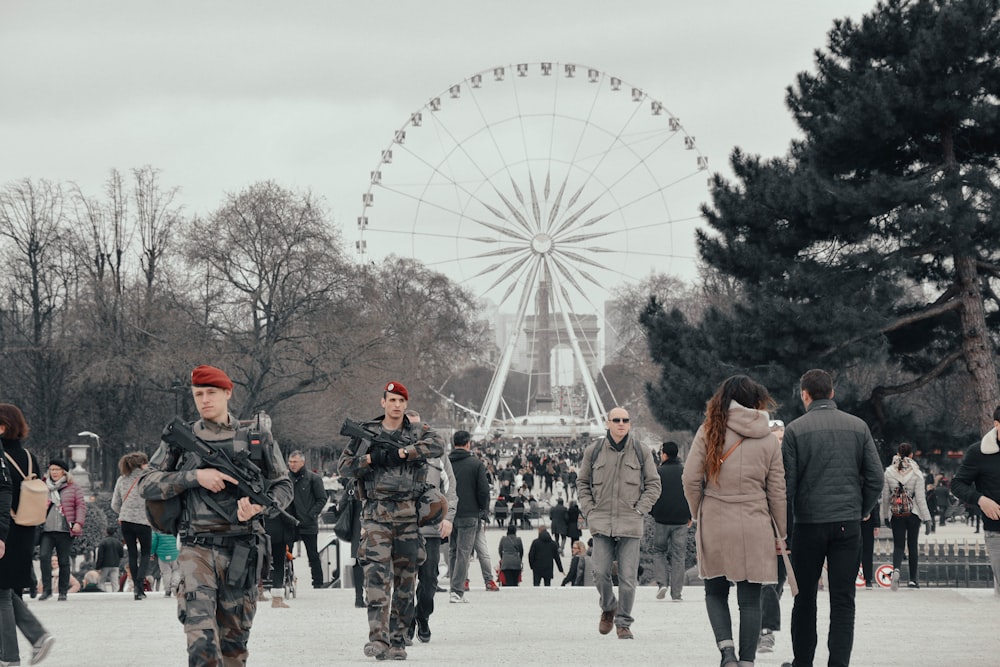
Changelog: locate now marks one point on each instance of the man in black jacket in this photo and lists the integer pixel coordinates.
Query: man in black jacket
(473, 506)
(310, 499)
(978, 483)
(670, 532)
(833, 477)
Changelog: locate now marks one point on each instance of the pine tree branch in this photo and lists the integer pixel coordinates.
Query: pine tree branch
(881, 392)
(988, 267)
(938, 308)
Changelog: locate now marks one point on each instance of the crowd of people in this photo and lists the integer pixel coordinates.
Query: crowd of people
(769, 504)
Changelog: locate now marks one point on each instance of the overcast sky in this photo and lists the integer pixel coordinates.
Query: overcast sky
(219, 95)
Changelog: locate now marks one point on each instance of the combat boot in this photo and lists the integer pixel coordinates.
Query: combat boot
(376, 649)
(395, 653)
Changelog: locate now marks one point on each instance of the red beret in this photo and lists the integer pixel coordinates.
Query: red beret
(210, 376)
(397, 388)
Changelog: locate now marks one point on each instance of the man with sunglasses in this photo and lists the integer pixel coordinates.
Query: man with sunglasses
(617, 484)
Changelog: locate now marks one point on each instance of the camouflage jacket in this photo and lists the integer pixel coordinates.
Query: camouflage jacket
(391, 493)
(174, 473)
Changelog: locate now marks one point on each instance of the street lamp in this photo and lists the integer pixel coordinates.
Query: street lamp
(98, 453)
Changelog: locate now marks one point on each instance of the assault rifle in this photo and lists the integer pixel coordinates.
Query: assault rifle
(386, 441)
(249, 478)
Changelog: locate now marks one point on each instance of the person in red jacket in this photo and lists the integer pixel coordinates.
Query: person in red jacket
(63, 522)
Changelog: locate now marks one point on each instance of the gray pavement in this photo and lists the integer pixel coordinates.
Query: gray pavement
(523, 626)
(528, 626)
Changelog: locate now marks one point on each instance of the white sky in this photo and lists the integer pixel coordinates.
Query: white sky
(219, 95)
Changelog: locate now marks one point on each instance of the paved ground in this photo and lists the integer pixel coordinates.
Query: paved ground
(523, 626)
(528, 626)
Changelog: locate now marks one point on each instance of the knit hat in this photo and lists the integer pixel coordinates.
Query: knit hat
(60, 463)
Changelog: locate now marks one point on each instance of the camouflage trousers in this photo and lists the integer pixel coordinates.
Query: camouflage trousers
(216, 616)
(391, 554)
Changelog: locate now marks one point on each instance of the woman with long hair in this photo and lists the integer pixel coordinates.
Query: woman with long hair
(19, 545)
(905, 483)
(734, 482)
(131, 508)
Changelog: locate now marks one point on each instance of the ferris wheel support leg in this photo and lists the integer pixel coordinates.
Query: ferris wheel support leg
(495, 393)
(593, 398)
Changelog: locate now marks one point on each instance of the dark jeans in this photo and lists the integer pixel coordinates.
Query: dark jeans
(868, 550)
(770, 600)
(61, 542)
(427, 578)
(138, 540)
(905, 535)
(748, 600)
(14, 616)
(839, 544)
(312, 555)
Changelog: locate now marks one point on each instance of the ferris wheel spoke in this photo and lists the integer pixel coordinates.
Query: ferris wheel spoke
(510, 271)
(500, 251)
(488, 126)
(554, 211)
(536, 209)
(568, 222)
(607, 150)
(514, 212)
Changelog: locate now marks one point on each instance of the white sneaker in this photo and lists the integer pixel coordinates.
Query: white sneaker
(894, 585)
(455, 597)
(765, 643)
(41, 648)
(662, 593)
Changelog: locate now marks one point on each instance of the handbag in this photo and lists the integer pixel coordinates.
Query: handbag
(344, 526)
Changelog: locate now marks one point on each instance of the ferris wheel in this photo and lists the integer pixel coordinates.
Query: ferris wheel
(539, 187)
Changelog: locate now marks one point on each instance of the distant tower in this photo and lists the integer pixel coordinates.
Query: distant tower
(543, 335)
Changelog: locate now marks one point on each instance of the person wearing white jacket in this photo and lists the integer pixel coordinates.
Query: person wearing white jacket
(905, 526)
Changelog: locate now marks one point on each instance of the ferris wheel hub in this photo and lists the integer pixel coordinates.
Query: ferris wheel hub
(541, 244)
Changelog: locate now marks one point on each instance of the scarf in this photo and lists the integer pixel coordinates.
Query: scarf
(54, 489)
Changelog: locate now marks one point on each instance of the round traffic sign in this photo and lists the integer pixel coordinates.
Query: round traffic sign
(883, 575)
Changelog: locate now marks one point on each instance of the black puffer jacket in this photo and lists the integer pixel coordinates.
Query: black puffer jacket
(832, 469)
(979, 475)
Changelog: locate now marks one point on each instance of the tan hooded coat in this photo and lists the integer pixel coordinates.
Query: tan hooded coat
(735, 538)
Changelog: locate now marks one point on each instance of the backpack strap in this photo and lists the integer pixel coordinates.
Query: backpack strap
(18, 468)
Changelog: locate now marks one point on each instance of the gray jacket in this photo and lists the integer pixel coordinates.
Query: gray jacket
(440, 474)
(832, 469)
(617, 489)
(126, 499)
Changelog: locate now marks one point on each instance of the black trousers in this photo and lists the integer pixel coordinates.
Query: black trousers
(138, 541)
(427, 578)
(839, 544)
(312, 555)
(905, 536)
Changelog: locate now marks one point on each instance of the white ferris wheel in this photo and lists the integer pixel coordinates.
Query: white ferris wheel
(539, 187)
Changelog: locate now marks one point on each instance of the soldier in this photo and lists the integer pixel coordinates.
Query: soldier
(223, 545)
(390, 481)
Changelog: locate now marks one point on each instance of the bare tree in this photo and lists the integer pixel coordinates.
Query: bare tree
(38, 280)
